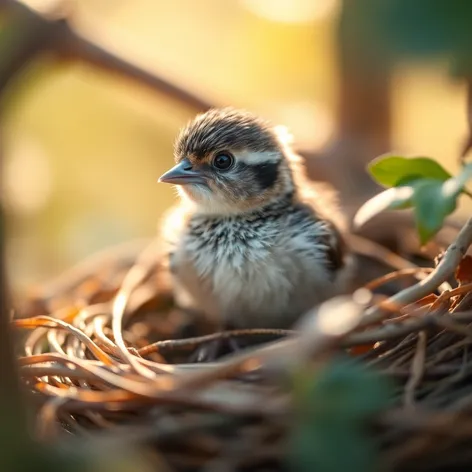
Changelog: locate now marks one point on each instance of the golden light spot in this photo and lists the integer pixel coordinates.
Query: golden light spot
(28, 179)
(51, 9)
(362, 296)
(312, 125)
(338, 316)
(292, 11)
(251, 365)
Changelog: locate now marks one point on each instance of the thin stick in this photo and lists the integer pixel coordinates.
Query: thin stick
(451, 325)
(191, 343)
(445, 269)
(136, 275)
(468, 142)
(417, 369)
(56, 37)
(368, 248)
(417, 272)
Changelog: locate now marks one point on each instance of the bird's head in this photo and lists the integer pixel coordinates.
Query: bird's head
(230, 161)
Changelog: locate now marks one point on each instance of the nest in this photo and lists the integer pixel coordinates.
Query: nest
(107, 352)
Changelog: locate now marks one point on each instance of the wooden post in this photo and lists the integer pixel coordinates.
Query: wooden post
(15, 442)
(363, 114)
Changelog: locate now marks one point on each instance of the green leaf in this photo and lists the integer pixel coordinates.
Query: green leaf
(395, 198)
(392, 171)
(432, 206)
(434, 201)
(333, 409)
(420, 183)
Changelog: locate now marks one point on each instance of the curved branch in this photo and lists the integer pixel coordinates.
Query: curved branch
(80, 48)
(445, 269)
(29, 34)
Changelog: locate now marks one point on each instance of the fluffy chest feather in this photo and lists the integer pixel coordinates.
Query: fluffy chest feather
(253, 270)
(236, 258)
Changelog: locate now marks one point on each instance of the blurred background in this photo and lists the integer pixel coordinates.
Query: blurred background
(83, 148)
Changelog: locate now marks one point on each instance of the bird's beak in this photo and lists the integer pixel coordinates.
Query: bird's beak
(181, 174)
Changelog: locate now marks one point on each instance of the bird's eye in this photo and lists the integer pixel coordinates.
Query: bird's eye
(223, 161)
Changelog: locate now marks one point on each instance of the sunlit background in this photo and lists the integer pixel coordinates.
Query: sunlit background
(83, 149)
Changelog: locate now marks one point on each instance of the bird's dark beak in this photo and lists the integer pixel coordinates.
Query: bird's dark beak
(181, 174)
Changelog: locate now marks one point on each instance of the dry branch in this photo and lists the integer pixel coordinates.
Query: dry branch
(468, 141)
(29, 34)
(445, 269)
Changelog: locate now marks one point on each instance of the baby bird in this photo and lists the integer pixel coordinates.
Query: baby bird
(254, 244)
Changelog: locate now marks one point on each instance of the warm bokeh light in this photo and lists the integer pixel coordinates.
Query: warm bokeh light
(27, 178)
(292, 11)
(52, 9)
(310, 123)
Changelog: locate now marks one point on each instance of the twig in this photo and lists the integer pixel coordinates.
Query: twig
(449, 324)
(84, 50)
(23, 37)
(397, 330)
(417, 272)
(136, 275)
(58, 324)
(445, 269)
(464, 304)
(191, 343)
(417, 369)
(457, 375)
(368, 248)
(389, 331)
(468, 142)
(33, 34)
